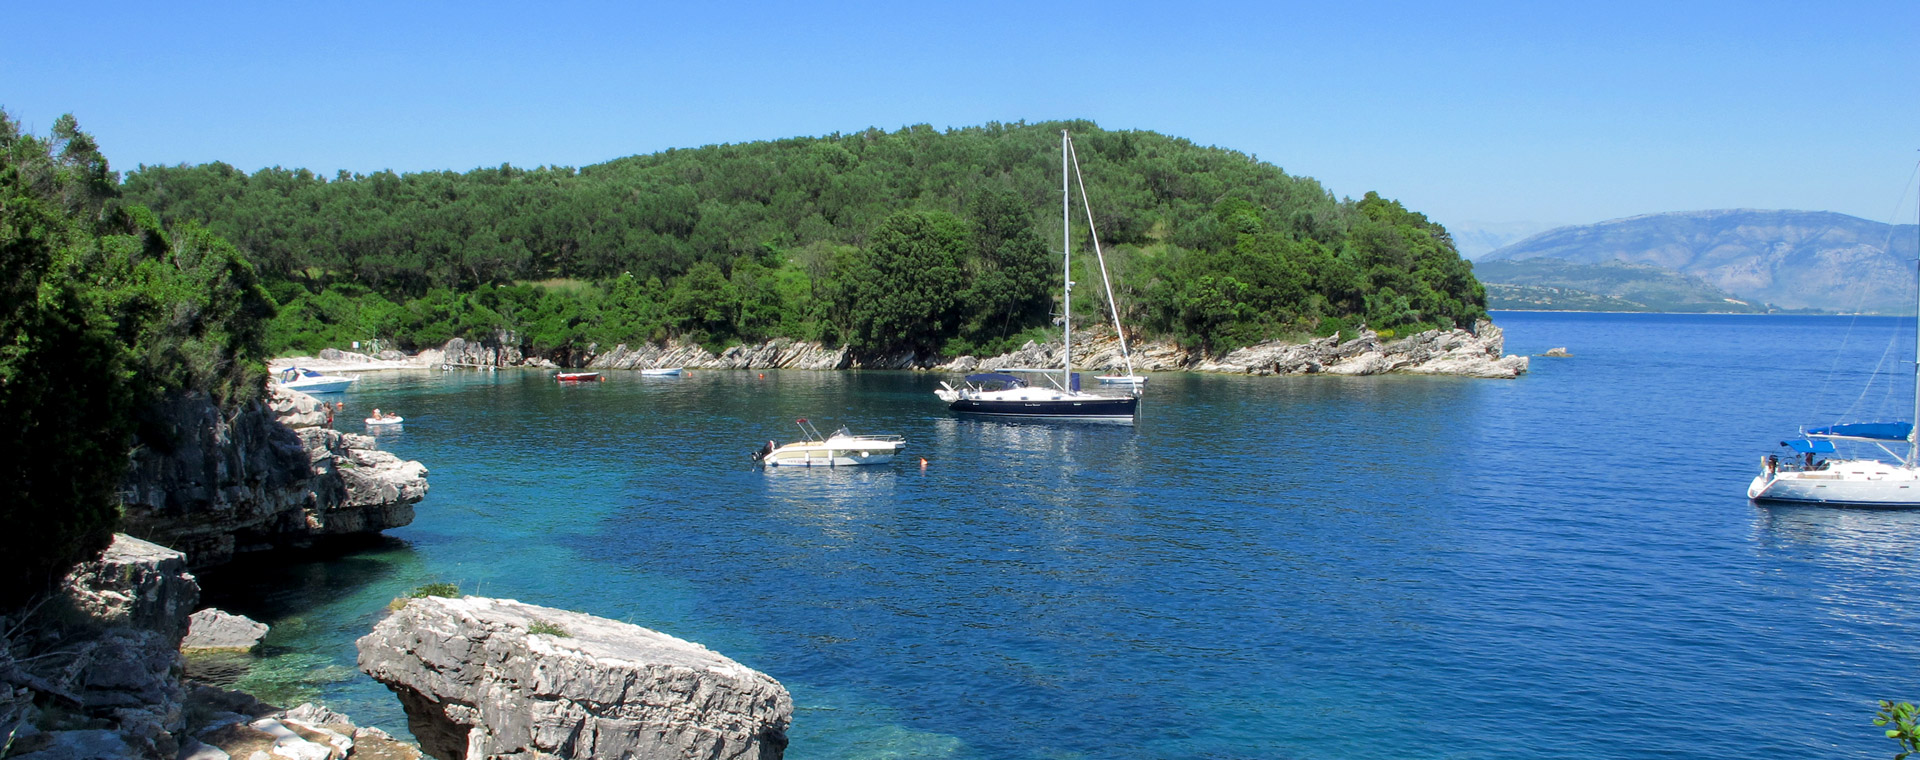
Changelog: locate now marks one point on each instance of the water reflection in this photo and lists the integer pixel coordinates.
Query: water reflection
(1857, 535)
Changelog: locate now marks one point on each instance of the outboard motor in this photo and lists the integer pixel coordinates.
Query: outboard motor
(761, 455)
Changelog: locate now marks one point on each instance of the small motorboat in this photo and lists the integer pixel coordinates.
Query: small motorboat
(1121, 379)
(660, 372)
(579, 377)
(308, 381)
(841, 449)
(385, 419)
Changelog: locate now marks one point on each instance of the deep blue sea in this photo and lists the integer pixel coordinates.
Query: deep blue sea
(1563, 565)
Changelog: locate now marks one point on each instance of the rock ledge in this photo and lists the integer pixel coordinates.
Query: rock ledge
(476, 683)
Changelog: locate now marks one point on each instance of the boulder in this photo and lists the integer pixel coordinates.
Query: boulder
(215, 629)
(1559, 352)
(134, 583)
(478, 682)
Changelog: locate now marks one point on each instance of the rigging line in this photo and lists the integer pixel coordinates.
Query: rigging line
(1113, 306)
(1860, 296)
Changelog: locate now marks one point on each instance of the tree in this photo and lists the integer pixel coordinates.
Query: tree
(906, 286)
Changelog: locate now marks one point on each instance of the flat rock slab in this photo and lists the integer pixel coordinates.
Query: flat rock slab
(217, 629)
(476, 683)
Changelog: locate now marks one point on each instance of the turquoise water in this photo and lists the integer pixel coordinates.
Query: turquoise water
(1563, 565)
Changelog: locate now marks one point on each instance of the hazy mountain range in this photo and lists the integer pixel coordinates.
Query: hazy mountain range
(1789, 259)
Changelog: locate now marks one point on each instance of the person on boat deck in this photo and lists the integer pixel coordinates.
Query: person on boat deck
(378, 416)
(1809, 460)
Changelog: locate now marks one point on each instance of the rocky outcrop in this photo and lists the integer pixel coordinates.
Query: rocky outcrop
(483, 678)
(219, 629)
(96, 674)
(502, 350)
(779, 353)
(106, 653)
(268, 476)
(1469, 353)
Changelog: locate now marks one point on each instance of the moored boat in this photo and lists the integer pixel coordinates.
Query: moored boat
(1001, 395)
(578, 377)
(309, 381)
(1804, 478)
(842, 449)
(660, 371)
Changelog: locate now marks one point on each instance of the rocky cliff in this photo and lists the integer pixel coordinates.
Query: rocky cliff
(779, 353)
(1469, 353)
(484, 678)
(271, 475)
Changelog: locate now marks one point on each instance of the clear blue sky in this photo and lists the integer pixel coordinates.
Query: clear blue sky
(1472, 113)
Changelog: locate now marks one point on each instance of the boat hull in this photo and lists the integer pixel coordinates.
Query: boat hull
(329, 385)
(1887, 493)
(1100, 409)
(828, 458)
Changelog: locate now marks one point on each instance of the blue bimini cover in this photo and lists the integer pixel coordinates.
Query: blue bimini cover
(1806, 446)
(1878, 431)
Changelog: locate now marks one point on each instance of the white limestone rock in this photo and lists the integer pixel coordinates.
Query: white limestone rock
(476, 683)
(217, 629)
(218, 483)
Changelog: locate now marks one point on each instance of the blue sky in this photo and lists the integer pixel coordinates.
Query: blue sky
(1475, 113)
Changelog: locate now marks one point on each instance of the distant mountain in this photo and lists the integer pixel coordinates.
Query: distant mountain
(1793, 259)
(1611, 286)
(1476, 239)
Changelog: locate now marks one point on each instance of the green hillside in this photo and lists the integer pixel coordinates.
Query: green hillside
(923, 239)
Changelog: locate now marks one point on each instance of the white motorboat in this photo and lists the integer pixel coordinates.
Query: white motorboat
(997, 394)
(842, 449)
(308, 381)
(1128, 379)
(1804, 478)
(660, 372)
(391, 419)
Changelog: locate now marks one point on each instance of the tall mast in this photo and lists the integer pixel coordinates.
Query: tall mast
(1913, 432)
(1066, 277)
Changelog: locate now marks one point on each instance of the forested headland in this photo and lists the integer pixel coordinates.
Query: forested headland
(103, 309)
(940, 242)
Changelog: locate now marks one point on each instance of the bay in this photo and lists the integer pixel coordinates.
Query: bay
(1314, 567)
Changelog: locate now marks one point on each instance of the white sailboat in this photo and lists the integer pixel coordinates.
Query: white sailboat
(1804, 478)
(1016, 398)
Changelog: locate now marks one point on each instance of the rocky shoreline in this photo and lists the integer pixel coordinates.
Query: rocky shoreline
(272, 476)
(99, 670)
(1477, 352)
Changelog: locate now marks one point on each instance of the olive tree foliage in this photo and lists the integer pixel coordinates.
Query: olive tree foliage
(748, 241)
(102, 312)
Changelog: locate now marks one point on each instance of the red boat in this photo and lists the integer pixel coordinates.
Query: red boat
(578, 377)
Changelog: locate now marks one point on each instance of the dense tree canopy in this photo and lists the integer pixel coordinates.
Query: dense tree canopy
(937, 241)
(102, 310)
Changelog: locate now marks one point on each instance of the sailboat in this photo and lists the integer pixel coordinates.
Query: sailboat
(1804, 478)
(1003, 394)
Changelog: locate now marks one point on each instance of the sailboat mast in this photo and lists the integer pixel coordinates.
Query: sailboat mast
(1913, 432)
(1112, 306)
(1066, 277)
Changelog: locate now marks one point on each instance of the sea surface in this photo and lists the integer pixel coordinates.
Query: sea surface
(1563, 565)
